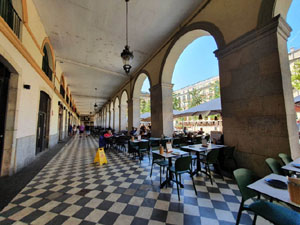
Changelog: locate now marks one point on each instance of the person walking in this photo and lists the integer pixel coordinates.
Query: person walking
(81, 130)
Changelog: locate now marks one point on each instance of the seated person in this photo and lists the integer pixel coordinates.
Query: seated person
(108, 134)
(133, 131)
(201, 131)
(102, 142)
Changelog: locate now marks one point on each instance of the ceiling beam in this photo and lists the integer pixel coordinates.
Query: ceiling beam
(89, 96)
(64, 60)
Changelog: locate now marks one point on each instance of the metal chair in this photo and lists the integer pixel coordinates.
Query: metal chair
(208, 159)
(182, 165)
(244, 177)
(275, 166)
(274, 213)
(286, 159)
(159, 160)
(143, 147)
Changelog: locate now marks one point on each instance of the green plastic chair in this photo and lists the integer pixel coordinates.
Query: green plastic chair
(243, 178)
(274, 213)
(176, 143)
(182, 165)
(274, 166)
(211, 158)
(286, 159)
(159, 160)
(143, 148)
(133, 147)
(154, 144)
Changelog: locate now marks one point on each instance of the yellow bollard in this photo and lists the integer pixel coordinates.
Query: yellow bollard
(100, 157)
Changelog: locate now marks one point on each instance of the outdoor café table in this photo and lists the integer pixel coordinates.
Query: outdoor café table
(175, 152)
(279, 194)
(200, 149)
(291, 166)
(137, 141)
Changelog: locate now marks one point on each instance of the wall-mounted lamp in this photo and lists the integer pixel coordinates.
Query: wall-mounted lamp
(26, 86)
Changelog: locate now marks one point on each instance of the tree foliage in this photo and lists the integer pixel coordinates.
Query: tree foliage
(296, 75)
(215, 90)
(176, 102)
(144, 106)
(196, 98)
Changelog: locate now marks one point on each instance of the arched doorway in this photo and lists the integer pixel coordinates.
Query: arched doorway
(124, 111)
(42, 137)
(140, 100)
(196, 81)
(117, 115)
(186, 36)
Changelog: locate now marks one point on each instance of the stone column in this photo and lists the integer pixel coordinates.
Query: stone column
(133, 113)
(161, 110)
(256, 94)
(117, 118)
(123, 117)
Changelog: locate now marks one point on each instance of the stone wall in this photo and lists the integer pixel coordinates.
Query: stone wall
(256, 95)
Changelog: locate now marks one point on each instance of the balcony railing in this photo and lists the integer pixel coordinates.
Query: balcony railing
(9, 14)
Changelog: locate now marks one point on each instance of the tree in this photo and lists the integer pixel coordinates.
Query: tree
(144, 106)
(215, 90)
(296, 75)
(176, 102)
(196, 98)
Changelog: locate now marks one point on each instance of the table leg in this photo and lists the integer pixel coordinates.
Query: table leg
(169, 177)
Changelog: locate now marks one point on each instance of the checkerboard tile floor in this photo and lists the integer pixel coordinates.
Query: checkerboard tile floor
(72, 190)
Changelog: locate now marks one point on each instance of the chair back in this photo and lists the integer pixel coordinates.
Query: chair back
(132, 146)
(143, 145)
(274, 166)
(176, 142)
(212, 156)
(243, 178)
(183, 163)
(286, 159)
(198, 140)
(154, 143)
(156, 157)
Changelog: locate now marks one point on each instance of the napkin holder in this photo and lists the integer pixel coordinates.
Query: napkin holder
(204, 143)
(169, 147)
(294, 189)
(139, 137)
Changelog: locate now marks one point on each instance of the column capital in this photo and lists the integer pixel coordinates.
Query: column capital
(277, 25)
(161, 85)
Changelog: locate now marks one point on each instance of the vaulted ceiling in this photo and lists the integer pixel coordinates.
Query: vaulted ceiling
(89, 35)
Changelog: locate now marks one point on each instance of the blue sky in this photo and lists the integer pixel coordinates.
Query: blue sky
(198, 62)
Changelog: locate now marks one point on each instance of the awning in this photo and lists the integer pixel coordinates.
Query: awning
(208, 108)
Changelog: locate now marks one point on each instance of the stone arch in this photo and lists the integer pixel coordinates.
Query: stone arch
(124, 110)
(136, 94)
(272, 8)
(182, 39)
(116, 114)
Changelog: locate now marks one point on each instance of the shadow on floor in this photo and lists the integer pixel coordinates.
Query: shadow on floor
(10, 186)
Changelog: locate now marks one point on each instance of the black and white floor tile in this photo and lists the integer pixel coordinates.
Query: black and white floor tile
(73, 190)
